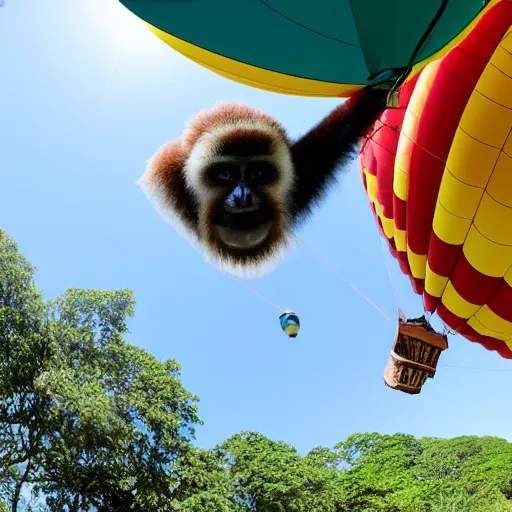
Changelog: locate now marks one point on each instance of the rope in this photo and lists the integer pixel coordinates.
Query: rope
(401, 314)
(393, 78)
(447, 330)
(476, 368)
(332, 268)
(335, 271)
(252, 290)
(419, 46)
(273, 304)
(394, 355)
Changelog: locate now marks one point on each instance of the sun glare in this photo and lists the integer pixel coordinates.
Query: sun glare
(137, 51)
(123, 26)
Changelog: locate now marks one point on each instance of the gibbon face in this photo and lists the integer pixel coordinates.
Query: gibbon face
(235, 167)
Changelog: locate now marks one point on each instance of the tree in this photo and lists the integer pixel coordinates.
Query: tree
(401, 473)
(89, 421)
(24, 349)
(205, 484)
(271, 476)
(85, 418)
(478, 468)
(377, 472)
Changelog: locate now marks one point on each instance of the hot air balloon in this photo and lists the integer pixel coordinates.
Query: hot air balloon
(438, 175)
(290, 323)
(437, 169)
(322, 48)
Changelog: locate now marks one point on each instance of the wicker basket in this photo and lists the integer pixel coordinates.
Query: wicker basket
(414, 356)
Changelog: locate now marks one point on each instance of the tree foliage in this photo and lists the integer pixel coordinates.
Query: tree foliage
(373, 472)
(205, 484)
(271, 476)
(89, 421)
(86, 418)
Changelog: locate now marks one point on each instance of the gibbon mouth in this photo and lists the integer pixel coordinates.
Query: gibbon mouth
(245, 220)
(247, 238)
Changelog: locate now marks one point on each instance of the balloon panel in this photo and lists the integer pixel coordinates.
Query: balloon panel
(440, 183)
(321, 48)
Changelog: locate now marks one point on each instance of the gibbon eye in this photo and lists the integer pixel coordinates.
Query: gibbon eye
(221, 174)
(261, 172)
(224, 174)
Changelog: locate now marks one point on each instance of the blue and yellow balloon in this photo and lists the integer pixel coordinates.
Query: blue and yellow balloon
(290, 323)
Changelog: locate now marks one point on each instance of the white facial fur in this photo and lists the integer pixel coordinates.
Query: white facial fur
(203, 154)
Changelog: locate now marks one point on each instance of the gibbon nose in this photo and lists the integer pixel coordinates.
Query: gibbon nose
(242, 198)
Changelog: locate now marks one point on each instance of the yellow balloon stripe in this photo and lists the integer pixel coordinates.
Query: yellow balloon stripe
(483, 330)
(471, 160)
(371, 185)
(405, 148)
(388, 225)
(508, 277)
(456, 303)
(486, 317)
(498, 187)
(474, 206)
(252, 75)
(494, 220)
(400, 239)
(461, 199)
(434, 283)
(417, 264)
(486, 256)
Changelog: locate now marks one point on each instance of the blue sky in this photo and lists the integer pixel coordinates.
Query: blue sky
(87, 95)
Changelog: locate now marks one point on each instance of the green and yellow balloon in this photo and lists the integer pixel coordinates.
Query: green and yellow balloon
(322, 48)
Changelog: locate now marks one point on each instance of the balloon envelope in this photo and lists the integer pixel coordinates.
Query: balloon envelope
(290, 323)
(323, 48)
(438, 173)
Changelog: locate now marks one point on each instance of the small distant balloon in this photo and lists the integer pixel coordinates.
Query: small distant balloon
(290, 323)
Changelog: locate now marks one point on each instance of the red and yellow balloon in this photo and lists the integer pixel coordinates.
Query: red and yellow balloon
(438, 175)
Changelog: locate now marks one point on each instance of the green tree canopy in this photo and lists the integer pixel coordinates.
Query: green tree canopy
(271, 476)
(85, 417)
(89, 421)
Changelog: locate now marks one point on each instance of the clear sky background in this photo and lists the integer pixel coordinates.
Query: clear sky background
(87, 95)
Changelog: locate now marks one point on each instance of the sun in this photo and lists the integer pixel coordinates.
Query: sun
(133, 51)
(123, 25)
